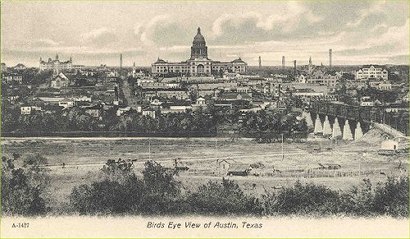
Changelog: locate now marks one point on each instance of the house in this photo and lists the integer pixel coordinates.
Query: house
(82, 99)
(51, 100)
(59, 81)
(176, 109)
(224, 164)
(366, 101)
(12, 78)
(173, 93)
(389, 145)
(123, 110)
(94, 110)
(66, 103)
(200, 101)
(239, 170)
(385, 86)
(149, 112)
(156, 103)
(27, 110)
(232, 96)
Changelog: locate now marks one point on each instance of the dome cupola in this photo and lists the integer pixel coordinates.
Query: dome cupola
(199, 48)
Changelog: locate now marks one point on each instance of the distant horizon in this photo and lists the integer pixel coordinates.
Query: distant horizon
(149, 66)
(359, 33)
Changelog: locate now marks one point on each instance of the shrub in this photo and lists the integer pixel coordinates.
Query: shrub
(392, 197)
(305, 199)
(107, 197)
(358, 200)
(223, 198)
(23, 190)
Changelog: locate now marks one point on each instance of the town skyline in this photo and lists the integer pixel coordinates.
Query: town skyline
(96, 33)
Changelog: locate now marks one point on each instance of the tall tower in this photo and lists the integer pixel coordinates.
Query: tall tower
(330, 58)
(199, 48)
(120, 61)
(283, 61)
(260, 62)
(310, 65)
(294, 68)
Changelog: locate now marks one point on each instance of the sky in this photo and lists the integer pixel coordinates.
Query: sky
(94, 33)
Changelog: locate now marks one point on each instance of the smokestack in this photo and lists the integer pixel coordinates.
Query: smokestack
(120, 61)
(283, 61)
(294, 67)
(330, 58)
(260, 62)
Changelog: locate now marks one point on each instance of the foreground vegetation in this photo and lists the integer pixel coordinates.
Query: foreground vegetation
(120, 191)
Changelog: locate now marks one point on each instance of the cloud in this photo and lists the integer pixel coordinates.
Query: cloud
(99, 37)
(376, 8)
(286, 19)
(144, 30)
(44, 43)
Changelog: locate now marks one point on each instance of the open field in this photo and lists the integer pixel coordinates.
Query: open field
(300, 161)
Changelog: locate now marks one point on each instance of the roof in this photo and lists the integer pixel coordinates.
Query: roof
(234, 96)
(225, 160)
(199, 38)
(160, 61)
(239, 167)
(239, 60)
(62, 76)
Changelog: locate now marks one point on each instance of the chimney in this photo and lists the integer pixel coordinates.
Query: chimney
(120, 61)
(260, 62)
(294, 67)
(330, 58)
(283, 61)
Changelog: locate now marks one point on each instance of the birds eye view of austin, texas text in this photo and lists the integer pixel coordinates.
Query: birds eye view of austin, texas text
(222, 109)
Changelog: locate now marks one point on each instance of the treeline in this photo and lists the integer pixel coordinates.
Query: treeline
(77, 119)
(157, 192)
(269, 126)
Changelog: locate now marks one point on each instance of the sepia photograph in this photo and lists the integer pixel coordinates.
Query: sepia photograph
(142, 119)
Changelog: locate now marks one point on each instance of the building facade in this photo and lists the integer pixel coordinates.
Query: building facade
(198, 64)
(372, 72)
(56, 64)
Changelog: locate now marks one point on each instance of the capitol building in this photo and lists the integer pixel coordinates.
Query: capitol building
(199, 64)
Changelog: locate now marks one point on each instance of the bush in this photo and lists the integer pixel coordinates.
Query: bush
(392, 197)
(121, 191)
(223, 198)
(305, 199)
(358, 200)
(106, 197)
(23, 190)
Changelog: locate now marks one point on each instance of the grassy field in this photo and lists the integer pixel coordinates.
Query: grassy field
(300, 161)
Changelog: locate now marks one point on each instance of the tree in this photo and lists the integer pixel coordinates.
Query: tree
(306, 199)
(392, 197)
(223, 198)
(23, 190)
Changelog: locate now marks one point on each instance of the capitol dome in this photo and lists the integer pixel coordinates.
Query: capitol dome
(199, 38)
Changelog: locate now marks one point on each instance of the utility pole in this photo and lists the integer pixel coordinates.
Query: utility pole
(283, 155)
(149, 148)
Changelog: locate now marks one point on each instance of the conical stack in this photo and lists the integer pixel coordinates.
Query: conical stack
(309, 120)
(358, 133)
(327, 130)
(347, 133)
(336, 129)
(306, 115)
(318, 126)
